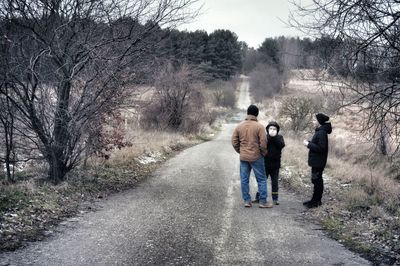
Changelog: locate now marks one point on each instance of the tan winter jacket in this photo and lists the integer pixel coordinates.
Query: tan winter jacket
(249, 139)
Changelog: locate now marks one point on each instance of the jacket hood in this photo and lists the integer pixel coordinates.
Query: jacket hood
(275, 124)
(327, 127)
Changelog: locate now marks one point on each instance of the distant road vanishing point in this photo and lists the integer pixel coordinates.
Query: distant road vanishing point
(244, 94)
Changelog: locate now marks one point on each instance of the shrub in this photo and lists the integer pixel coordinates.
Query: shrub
(177, 101)
(358, 199)
(265, 81)
(395, 168)
(299, 111)
(223, 93)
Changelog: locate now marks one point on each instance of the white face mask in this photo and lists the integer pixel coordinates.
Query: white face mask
(315, 123)
(272, 131)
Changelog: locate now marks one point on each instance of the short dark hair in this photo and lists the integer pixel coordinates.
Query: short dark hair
(252, 110)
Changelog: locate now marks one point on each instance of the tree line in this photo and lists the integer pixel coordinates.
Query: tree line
(269, 66)
(218, 54)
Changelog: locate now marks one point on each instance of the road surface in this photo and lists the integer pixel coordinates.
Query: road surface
(189, 212)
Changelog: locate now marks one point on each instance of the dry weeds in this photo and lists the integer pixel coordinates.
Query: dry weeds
(30, 209)
(361, 203)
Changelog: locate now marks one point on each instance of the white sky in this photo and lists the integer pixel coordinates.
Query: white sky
(251, 20)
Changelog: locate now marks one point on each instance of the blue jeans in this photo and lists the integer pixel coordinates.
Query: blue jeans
(259, 171)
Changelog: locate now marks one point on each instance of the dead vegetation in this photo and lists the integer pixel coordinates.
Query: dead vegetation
(361, 203)
(30, 208)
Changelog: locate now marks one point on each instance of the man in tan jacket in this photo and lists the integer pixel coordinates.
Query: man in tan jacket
(250, 141)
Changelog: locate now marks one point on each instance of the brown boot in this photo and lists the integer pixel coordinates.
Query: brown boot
(265, 205)
(247, 204)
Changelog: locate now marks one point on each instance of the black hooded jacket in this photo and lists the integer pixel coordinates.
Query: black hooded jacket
(318, 146)
(274, 148)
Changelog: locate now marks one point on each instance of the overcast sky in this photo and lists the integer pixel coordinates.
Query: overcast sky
(251, 20)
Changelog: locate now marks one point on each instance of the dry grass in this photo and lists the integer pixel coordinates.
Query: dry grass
(358, 199)
(295, 154)
(146, 141)
(361, 199)
(380, 189)
(362, 203)
(351, 156)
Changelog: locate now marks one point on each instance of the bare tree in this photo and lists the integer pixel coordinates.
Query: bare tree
(299, 111)
(289, 56)
(177, 101)
(70, 61)
(223, 93)
(370, 53)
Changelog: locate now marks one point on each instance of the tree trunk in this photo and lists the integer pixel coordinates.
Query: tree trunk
(382, 143)
(61, 136)
(8, 168)
(9, 160)
(9, 146)
(57, 168)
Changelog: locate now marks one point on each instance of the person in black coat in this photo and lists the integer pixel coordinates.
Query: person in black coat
(273, 158)
(317, 157)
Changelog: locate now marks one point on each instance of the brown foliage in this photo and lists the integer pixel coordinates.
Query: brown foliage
(177, 101)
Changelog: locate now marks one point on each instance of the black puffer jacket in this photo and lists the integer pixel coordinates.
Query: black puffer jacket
(318, 146)
(274, 148)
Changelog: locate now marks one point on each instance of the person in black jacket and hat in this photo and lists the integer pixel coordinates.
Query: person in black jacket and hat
(317, 157)
(273, 158)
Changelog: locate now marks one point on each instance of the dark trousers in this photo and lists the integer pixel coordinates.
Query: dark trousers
(274, 174)
(316, 179)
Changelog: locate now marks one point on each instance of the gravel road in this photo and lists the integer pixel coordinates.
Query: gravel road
(189, 212)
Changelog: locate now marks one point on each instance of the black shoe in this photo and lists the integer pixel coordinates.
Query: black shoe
(307, 202)
(313, 204)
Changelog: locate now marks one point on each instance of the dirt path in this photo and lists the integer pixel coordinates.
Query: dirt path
(244, 94)
(189, 213)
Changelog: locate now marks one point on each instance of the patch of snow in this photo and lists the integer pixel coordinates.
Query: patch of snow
(18, 167)
(151, 157)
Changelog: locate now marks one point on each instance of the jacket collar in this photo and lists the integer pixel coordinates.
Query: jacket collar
(251, 117)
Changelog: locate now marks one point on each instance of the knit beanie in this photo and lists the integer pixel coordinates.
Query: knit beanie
(252, 110)
(321, 118)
